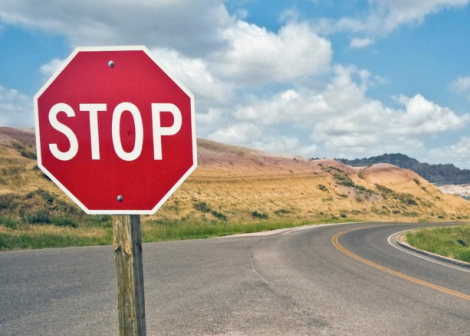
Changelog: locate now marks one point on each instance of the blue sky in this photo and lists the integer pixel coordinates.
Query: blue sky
(319, 78)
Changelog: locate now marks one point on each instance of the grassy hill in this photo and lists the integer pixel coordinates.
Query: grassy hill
(233, 190)
(435, 173)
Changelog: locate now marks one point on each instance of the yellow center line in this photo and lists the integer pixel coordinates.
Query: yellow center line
(338, 246)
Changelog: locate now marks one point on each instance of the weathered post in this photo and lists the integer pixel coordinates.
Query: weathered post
(129, 274)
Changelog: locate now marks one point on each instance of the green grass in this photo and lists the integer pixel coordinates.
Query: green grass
(177, 230)
(453, 242)
(45, 236)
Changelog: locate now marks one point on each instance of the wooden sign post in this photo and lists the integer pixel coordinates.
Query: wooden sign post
(129, 274)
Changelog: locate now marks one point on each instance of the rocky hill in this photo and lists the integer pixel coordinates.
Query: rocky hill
(435, 173)
(239, 184)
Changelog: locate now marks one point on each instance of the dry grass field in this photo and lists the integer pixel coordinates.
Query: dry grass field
(233, 190)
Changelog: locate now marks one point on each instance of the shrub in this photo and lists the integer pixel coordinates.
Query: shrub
(260, 215)
(281, 212)
(384, 189)
(7, 201)
(361, 174)
(12, 171)
(202, 206)
(38, 217)
(62, 221)
(25, 150)
(322, 188)
(218, 215)
(344, 180)
(45, 195)
(205, 208)
(417, 181)
(343, 215)
(406, 198)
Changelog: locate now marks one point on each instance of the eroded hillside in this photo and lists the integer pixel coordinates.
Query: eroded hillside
(234, 183)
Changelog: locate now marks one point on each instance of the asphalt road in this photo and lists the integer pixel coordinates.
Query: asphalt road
(330, 280)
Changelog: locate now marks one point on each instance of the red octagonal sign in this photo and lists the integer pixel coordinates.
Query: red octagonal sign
(115, 130)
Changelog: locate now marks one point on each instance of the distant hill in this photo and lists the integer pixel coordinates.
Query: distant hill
(241, 185)
(435, 173)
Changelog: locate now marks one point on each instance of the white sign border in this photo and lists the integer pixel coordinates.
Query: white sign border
(60, 185)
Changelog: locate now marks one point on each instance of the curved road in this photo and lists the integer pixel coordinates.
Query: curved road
(329, 280)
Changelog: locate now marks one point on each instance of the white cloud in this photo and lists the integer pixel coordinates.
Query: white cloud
(289, 15)
(16, 109)
(359, 122)
(307, 150)
(274, 142)
(256, 55)
(192, 26)
(424, 117)
(50, 67)
(385, 16)
(195, 75)
(361, 42)
(251, 135)
(400, 12)
(461, 86)
(290, 106)
(458, 153)
(344, 121)
(241, 133)
(211, 118)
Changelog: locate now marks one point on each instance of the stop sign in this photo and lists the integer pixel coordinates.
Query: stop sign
(115, 131)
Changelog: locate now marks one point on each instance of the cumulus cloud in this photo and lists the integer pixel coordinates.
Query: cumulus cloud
(16, 109)
(241, 133)
(256, 55)
(344, 121)
(252, 135)
(293, 106)
(192, 26)
(458, 153)
(48, 69)
(385, 16)
(398, 12)
(195, 75)
(421, 116)
(361, 42)
(461, 86)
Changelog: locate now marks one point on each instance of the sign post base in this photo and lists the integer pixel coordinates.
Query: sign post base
(127, 243)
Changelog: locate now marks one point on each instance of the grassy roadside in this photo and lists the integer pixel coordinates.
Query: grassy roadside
(452, 242)
(45, 236)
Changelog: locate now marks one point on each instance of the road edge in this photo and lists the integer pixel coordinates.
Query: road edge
(430, 254)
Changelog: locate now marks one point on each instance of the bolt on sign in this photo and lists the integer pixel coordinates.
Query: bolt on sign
(116, 132)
